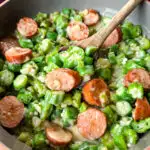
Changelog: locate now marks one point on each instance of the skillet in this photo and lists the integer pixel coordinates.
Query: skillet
(15, 9)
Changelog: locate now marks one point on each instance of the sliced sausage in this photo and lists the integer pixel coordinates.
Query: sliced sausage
(11, 111)
(3, 147)
(57, 135)
(142, 109)
(7, 43)
(17, 55)
(138, 75)
(91, 17)
(147, 148)
(77, 31)
(92, 123)
(27, 27)
(92, 91)
(62, 79)
(113, 38)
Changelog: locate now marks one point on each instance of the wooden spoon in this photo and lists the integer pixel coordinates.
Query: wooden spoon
(98, 38)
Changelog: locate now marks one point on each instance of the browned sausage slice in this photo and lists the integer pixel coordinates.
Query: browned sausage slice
(18, 55)
(92, 123)
(27, 27)
(91, 17)
(142, 109)
(113, 38)
(62, 79)
(138, 75)
(11, 111)
(93, 90)
(7, 43)
(57, 135)
(77, 31)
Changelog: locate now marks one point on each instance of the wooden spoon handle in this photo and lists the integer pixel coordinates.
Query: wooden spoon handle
(116, 20)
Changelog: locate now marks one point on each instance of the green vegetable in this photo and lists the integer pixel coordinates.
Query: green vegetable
(25, 96)
(120, 142)
(102, 63)
(105, 73)
(139, 55)
(88, 60)
(39, 36)
(51, 66)
(40, 17)
(14, 67)
(86, 146)
(147, 62)
(131, 64)
(144, 43)
(122, 93)
(76, 99)
(90, 50)
(69, 115)
(34, 109)
(41, 76)
(114, 97)
(26, 43)
(124, 48)
(39, 88)
(39, 140)
(75, 146)
(56, 113)
(56, 98)
(24, 136)
(136, 31)
(20, 82)
(45, 46)
(123, 108)
(130, 135)
(76, 18)
(67, 100)
(116, 129)
(117, 77)
(61, 22)
(126, 33)
(126, 121)
(108, 141)
(121, 59)
(131, 31)
(83, 107)
(85, 70)
(136, 90)
(29, 68)
(54, 59)
(112, 58)
(47, 107)
(62, 40)
(51, 35)
(36, 122)
(54, 16)
(39, 59)
(72, 57)
(141, 126)
(110, 114)
(66, 12)
(45, 23)
(6, 78)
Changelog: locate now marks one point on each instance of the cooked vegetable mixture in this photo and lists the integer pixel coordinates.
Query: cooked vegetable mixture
(73, 98)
